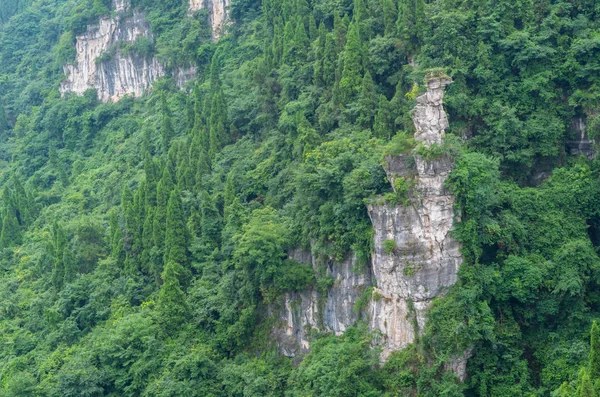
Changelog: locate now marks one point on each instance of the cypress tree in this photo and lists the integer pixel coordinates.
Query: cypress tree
(313, 32)
(148, 244)
(330, 60)
(351, 82)
(301, 42)
(211, 221)
(318, 77)
(3, 121)
(390, 16)
(411, 18)
(594, 366)
(116, 238)
(172, 303)
(585, 387)
(218, 121)
(60, 241)
(340, 29)
(368, 102)
(166, 128)
(359, 17)
(289, 32)
(11, 231)
(70, 267)
(176, 237)
(384, 124)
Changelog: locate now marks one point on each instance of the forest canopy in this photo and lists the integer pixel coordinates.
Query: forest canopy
(143, 241)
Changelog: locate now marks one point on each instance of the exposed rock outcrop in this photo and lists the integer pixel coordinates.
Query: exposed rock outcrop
(217, 12)
(103, 63)
(415, 257)
(300, 313)
(582, 144)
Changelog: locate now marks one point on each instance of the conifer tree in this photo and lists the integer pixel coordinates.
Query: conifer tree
(176, 238)
(390, 16)
(116, 238)
(594, 365)
(340, 29)
(289, 45)
(11, 231)
(3, 121)
(330, 60)
(70, 267)
(166, 127)
(351, 81)
(148, 244)
(411, 17)
(384, 124)
(584, 385)
(368, 102)
(211, 221)
(359, 17)
(172, 303)
(318, 77)
(218, 122)
(313, 32)
(60, 241)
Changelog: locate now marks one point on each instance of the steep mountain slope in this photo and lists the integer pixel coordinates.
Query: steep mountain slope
(269, 198)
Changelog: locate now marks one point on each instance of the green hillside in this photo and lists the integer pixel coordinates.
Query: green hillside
(143, 242)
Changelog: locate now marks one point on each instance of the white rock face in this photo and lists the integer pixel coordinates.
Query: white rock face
(301, 312)
(425, 259)
(422, 265)
(119, 74)
(217, 13)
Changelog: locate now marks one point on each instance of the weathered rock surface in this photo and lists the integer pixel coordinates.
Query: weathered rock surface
(425, 259)
(301, 312)
(415, 258)
(582, 145)
(103, 65)
(217, 11)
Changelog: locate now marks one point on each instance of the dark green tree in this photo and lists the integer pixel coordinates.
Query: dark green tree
(166, 125)
(351, 82)
(594, 365)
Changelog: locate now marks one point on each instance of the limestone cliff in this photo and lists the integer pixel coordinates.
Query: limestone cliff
(217, 11)
(415, 258)
(299, 313)
(103, 63)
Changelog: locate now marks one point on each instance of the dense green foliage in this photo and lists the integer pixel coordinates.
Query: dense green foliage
(142, 241)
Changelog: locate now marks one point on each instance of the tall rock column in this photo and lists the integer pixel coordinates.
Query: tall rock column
(415, 259)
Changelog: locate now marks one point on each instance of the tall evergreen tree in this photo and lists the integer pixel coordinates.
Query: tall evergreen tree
(594, 365)
(176, 237)
(60, 242)
(368, 102)
(585, 387)
(70, 266)
(340, 29)
(11, 230)
(116, 238)
(172, 303)
(383, 126)
(166, 127)
(390, 16)
(4, 126)
(351, 82)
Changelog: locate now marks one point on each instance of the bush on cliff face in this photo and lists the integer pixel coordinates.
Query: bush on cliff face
(142, 240)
